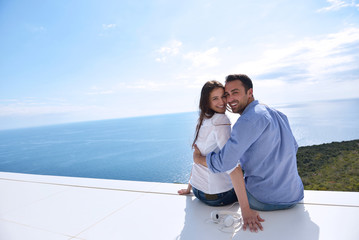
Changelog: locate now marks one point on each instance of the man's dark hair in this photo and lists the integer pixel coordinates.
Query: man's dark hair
(246, 81)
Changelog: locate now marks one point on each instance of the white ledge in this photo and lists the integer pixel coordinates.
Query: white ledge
(53, 207)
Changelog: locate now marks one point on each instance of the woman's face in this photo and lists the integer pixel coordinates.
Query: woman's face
(217, 100)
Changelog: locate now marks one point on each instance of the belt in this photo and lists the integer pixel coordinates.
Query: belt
(211, 196)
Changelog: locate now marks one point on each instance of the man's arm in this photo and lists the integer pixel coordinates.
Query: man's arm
(244, 134)
(250, 217)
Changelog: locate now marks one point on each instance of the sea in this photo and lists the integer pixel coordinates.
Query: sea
(151, 148)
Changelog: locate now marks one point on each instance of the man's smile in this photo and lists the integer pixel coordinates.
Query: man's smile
(233, 104)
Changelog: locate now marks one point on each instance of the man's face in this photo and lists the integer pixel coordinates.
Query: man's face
(237, 97)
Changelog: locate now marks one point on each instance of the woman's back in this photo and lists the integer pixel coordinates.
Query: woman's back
(212, 136)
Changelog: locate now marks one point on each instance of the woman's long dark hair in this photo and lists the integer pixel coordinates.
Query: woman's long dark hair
(204, 105)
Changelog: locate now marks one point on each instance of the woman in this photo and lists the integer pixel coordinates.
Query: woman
(212, 132)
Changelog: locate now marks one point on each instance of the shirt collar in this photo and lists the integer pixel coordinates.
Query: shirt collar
(251, 105)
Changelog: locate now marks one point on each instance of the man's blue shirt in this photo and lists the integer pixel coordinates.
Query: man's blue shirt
(263, 144)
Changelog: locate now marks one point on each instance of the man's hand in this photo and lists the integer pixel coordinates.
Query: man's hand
(252, 219)
(198, 158)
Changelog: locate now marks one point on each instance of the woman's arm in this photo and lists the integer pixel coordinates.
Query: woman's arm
(250, 217)
(198, 158)
(187, 190)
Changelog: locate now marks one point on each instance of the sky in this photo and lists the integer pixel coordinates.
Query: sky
(81, 60)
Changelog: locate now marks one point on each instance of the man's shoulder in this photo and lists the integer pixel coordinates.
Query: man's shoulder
(256, 117)
(269, 112)
(256, 112)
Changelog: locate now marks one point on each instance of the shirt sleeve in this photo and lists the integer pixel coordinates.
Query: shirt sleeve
(244, 134)
(222, 133)
(222, 129)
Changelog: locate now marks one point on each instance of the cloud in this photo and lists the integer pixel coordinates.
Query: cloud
(212, 39)
(203, 59)
(108, 26)
(198, 59)
(335, 5)
(170, 49)
(196, 80)
(39, 29)
(141, 84)
(101, 92)
(107, 29)
(32, 107)
(97, 91)
(35, 29)
(147, 85)
(313, 59)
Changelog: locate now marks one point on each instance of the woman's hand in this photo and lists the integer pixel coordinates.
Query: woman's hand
(252, 219)
(198, 158)
(184, 191)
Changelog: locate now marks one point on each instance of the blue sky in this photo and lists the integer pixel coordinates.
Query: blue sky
(68, 61)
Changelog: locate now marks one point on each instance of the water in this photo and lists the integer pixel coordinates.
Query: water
(155, 148)
(323, 122)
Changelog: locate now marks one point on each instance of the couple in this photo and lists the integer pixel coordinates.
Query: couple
(261, 143)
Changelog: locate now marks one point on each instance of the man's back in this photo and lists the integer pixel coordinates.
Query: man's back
(263, 143)
(270, 163)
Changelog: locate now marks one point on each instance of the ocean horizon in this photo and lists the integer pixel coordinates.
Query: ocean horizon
(151, 148)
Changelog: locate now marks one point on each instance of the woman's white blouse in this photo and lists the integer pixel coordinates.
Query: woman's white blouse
(212, 136)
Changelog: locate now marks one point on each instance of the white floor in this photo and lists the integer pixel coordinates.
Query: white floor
(51, 207)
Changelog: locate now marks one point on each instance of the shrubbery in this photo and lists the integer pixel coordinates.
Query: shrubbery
(333, 166)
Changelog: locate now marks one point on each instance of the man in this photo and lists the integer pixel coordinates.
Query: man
(262, 144)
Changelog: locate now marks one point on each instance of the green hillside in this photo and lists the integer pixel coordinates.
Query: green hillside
(333, 166)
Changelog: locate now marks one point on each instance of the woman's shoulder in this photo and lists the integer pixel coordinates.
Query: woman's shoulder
(220, 119)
